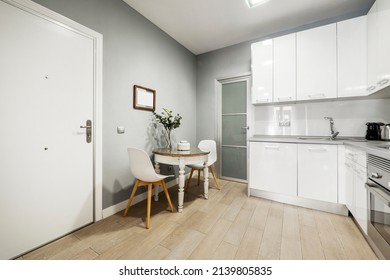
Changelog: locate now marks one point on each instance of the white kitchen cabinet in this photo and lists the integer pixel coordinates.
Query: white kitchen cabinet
(356, 193)
(378, 45)
(352, 57)
(383, 45)
(285, 78)
(317, 172)
(372, 42)
(262, 71)
(350, 186)
(316, 63)
(273, 167)
(361, 197)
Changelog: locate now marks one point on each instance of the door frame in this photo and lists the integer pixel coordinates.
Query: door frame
(247, 77)
(53, 17)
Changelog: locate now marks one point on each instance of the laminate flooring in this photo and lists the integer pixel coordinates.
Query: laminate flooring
(229, 225)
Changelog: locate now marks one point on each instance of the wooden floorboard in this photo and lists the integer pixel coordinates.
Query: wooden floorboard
(229, 225)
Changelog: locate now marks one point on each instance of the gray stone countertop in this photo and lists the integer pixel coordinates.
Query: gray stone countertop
(378, 148)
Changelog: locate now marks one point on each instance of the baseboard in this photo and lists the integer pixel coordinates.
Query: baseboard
(122, 205)
(330, 207)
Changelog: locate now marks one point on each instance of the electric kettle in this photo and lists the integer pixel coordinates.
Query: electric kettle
(373, 131)
(385, 132)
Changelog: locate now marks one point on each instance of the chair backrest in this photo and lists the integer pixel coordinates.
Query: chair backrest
(211, 146)
(141, 166)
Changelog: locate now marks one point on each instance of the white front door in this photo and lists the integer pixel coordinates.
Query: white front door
(46, 165)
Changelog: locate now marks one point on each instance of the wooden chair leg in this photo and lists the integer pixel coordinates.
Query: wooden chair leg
(198, 177)
(215, 177)
(167, 194)
(189, 179)
(131, 198)
(149, 205)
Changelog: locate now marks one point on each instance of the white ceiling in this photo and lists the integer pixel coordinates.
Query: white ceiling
(206, 25)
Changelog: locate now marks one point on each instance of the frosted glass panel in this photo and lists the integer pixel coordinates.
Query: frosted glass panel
(234, 98)
(232, 131)
(234, 162)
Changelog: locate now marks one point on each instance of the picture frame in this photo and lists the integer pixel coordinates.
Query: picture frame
(144, 98)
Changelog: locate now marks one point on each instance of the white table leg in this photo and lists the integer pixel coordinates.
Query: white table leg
(156, 188)
(206, 180)
(182, 179)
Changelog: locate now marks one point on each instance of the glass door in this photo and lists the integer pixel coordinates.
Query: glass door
(234, 130)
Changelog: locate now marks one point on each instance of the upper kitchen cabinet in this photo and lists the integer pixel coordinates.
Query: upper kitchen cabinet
(262, 72)
(352, 57)
(372, 42)
(317, 63)
(378, 29)
(285, 63)
(383, 45)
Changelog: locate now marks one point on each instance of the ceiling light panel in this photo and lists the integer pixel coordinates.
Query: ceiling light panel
(254, 3)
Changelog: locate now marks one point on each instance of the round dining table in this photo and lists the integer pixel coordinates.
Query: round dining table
(172, 156)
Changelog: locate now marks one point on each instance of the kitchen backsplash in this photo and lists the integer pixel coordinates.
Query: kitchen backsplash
(350, 117)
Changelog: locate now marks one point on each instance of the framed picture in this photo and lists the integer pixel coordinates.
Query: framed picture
(144, 98)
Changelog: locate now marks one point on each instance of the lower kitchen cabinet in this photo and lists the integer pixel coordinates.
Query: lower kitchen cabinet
(350, 186)
(356, 176)
(361, 198)
(273, 167)
(317, 172)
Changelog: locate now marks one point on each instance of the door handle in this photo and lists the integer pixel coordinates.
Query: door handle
(88, 127)
(245, 127)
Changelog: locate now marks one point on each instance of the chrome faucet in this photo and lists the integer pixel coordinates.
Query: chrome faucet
(333, 132)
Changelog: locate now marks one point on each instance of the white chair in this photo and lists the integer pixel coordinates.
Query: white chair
(210, 146)
(142, 169)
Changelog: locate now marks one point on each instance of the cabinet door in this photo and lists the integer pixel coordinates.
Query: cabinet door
(352, 57)
(262, 65)
(273, 167)
(361, 197)
(317, 172)
(372, 44)
(285, 70)
(316, 63)
(383, 59)
(350, 186)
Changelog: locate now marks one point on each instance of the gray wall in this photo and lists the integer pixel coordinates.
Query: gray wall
(135, 52)
(230, 62)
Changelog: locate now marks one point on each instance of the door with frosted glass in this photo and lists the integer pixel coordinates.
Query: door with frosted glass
(234, 130)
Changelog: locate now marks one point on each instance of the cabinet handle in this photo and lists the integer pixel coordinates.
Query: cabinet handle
(262, 100)
(272, 147)
(383, 82)
(316, 95)
(317, 149)
(359, 172)
(371, 88)
(284, 98)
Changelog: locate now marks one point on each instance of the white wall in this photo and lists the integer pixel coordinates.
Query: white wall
(308, 118)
